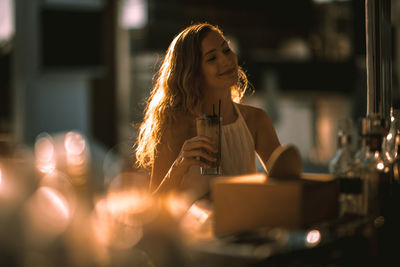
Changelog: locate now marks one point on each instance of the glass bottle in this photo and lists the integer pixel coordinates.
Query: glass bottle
(341, 165)
(389, 142)
(393, 199)
(395, 169)
(373, 169)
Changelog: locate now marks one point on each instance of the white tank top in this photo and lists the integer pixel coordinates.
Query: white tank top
(237, 157)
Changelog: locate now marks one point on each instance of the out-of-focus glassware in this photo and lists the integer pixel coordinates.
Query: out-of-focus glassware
(395, 168)
(391, 150)
(373, 168)
(389, 142)
(342, 166)
(362, 153)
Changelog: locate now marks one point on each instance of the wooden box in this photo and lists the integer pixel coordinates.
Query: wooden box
(245, 203)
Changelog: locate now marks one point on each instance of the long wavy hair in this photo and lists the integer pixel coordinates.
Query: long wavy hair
(177, 89)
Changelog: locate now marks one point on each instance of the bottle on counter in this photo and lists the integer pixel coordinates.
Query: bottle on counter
(373, 169)
(389, 142)
(391, 152)
(395, 168)
(342, 166)
(393, 198)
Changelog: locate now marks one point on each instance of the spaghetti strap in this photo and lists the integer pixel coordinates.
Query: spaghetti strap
(238, 110)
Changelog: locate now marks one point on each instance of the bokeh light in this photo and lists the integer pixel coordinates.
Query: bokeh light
(61, 182)
(74, 143)
(76, 157)
(47, 215)
(177, 204)
(45, 153)
(1, 178)
(313, 238)
(112, 232)
(196, 222)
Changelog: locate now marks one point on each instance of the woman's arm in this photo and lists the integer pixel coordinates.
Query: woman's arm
(265, 137)
(173, 158)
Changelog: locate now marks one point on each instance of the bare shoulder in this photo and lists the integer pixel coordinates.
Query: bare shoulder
(262, 129)
(253, 115)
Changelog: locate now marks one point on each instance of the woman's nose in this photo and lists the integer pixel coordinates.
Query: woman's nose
(226, 60)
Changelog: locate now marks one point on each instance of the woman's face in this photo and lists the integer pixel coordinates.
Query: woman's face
(218, 62)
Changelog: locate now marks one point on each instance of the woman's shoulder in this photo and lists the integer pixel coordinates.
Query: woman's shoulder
(251, 113)
(256, 118)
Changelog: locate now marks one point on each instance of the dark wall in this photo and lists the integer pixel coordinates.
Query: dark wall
(5, 91)
(103, 94)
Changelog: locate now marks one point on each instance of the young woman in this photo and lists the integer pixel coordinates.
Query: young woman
(199, 70)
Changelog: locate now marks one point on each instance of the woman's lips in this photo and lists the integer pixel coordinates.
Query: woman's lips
(228, 72)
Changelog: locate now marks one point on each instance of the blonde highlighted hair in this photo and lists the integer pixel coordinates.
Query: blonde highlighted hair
(177, 89)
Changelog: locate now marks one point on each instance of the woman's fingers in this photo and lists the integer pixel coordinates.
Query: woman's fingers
(190, 159)
(199, 142)
(199, 150)
(199, 153)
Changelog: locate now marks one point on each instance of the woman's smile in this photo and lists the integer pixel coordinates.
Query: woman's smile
(228, 72)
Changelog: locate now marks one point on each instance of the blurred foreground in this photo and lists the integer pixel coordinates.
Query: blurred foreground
(65, 202)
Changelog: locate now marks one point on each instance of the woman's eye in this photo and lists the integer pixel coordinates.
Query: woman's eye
(211, 58)
(227, 50)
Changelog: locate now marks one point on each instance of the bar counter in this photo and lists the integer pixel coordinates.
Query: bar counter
(53, 213)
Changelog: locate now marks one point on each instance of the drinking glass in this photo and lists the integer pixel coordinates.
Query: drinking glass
(210, 126)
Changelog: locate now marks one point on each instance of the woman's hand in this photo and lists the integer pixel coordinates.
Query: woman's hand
(198, 151)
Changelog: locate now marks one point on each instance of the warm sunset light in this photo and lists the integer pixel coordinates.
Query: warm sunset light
(129, 201)
(177, 204)
(156, 133)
